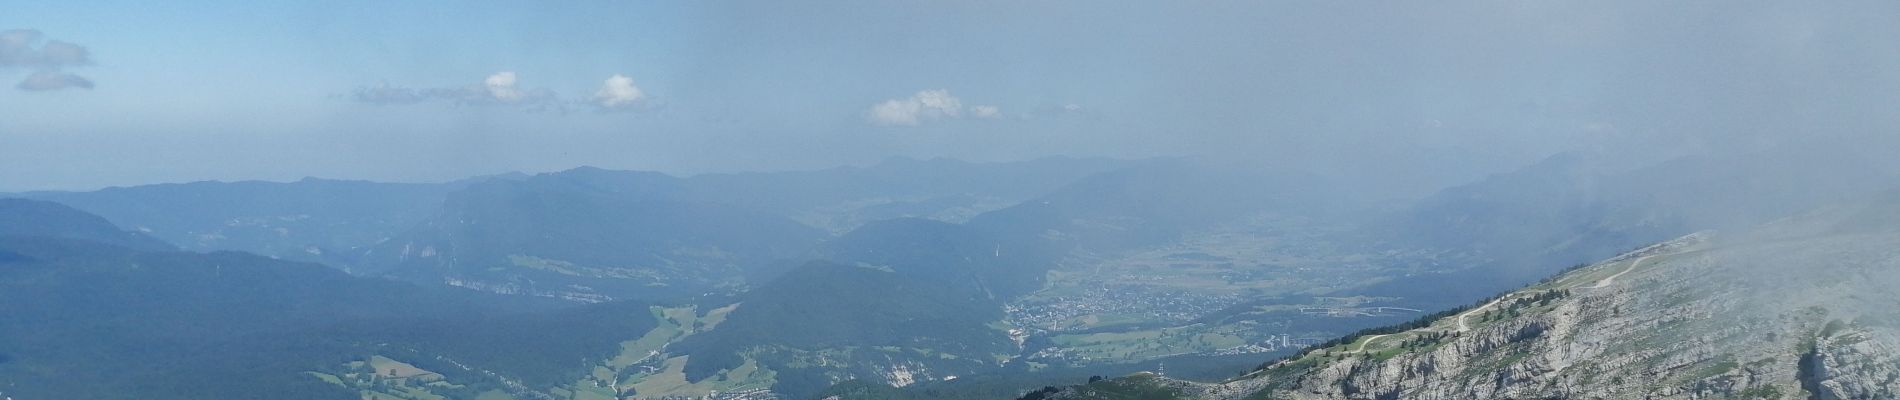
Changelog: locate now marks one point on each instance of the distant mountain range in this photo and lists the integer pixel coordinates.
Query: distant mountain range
(592, 283)
(583, 234)
(310, 220)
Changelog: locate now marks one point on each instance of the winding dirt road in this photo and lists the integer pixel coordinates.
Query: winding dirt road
(1612, 279)
(1368, 342)
(1462, 327)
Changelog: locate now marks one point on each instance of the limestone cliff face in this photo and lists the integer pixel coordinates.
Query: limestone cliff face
(1858, 365)
(1804, 308)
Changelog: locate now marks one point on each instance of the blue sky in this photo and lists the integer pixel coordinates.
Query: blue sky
(399, 90)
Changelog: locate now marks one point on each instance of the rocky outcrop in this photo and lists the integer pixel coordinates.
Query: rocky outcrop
(1855, 365)
(1798, 309)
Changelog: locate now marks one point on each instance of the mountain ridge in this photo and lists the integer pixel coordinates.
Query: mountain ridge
(1766, 312)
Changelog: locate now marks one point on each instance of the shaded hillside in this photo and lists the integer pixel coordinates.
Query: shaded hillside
(897, 302)
(22, 217)
(590, 235)
(311, 219)
(975, 269)
(824, 305)
(948, 255)
(85, 319)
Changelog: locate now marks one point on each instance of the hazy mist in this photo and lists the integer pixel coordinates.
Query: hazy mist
(949, 200)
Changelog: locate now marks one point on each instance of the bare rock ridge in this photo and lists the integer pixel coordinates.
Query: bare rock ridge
(1802, 308)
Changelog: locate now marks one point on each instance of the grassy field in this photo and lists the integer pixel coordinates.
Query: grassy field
(398, 380)
(670, 380)
(568, 268)
(494, 395)
(390, 368)
(1155, 343)
(644, 365)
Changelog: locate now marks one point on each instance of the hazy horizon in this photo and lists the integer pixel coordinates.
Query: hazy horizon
(676, 174)
(1410, 96)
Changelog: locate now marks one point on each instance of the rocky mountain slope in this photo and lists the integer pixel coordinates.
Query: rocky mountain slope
(1797, 308)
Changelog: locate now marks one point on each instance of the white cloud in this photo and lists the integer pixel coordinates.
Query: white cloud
(939, 102)
(925, 106)
(618, 92)
(17, 50)
(501, 86)
(895, 112)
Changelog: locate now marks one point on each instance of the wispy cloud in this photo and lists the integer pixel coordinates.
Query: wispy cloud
(925, 106)
(53, 80)
(1059, 110)
(986, 112)
(505, 88)
(501, 89)
(22, 48)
